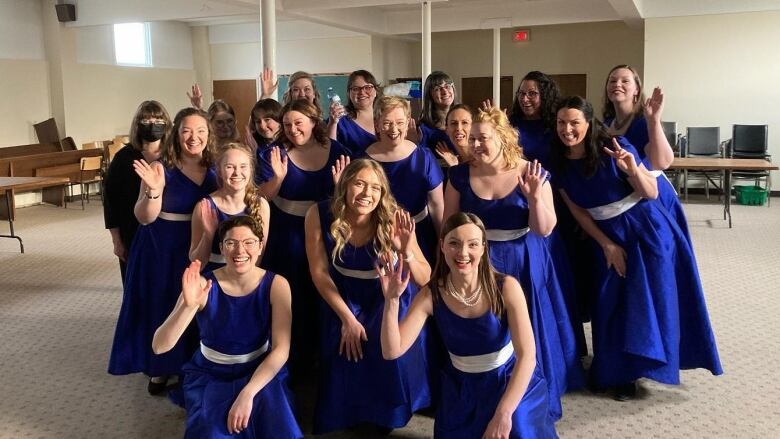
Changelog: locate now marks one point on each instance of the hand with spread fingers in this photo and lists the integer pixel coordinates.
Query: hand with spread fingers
(624, 159)
(353, 334)
(338, 168)
(278, 162)
(196, 96)
(152, 175)
(532, 179)
(192, 290)
(267, 84)
(403, 232)
(654, 105)
(444, 152)
(394, 280)
(210, 219)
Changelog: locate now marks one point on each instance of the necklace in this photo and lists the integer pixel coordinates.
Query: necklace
(469, 301)
(618, 125)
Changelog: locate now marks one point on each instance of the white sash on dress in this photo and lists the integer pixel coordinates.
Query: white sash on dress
(292, 207)
(220, 358)
(421, 215)
(361, 274)
(484, 362)
(614, 209)
(505, 235)
(175, 216)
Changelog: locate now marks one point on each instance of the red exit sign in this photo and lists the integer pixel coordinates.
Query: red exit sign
(521, 36)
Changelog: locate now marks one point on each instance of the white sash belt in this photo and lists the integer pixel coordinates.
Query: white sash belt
(482, 363)
(361, 274)
(220, 358)
(175, 216)
(421, 216)
(612, 210)
(293, 207)
(217, 259)
(505, 235)
(657, 174)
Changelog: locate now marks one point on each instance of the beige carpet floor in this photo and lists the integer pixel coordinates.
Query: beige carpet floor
(59, 303)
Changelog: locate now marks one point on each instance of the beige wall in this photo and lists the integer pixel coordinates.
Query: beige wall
(589, 48)
(393, 58)
(25, 101)
(718, 70)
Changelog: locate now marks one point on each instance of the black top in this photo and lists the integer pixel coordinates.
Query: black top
(121, 187)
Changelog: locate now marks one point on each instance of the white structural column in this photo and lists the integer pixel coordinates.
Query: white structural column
(268, 20)
(426, 39)
(497, 67)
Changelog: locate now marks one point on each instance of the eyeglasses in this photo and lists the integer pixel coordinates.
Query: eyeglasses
(529, 95)
(152, 122)
(232, 244)
(446, 86)
(365, 89)
(387, 126)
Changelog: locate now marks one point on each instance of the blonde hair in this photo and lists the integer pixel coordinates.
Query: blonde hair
(386, 104)
(381, 218)
(252, 197)
(506, 135)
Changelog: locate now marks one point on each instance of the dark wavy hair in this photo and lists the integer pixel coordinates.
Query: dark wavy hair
(487, 275)
(429, 115)
(148, 110)
(595, 138)
(319, 132)
(369, 78)
(548, 94)
(171, 152)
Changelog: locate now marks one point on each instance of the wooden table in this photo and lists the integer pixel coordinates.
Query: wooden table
(10, 184)
(727, 166)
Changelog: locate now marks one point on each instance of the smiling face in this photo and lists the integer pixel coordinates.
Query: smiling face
(463, 248)
(241, 248)
(362, 93)
(364, 192)
(235, 169)
(266, 126)
(443, 94)
(458, 128)
(483, 143)
(297, 127)
(302, 89)
(572, 127)
(622, 86)
(530, 99)
(393, 125)
(193, 135)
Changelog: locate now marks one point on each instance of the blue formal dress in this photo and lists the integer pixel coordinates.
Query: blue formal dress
(285, 251)
(233, 326)
(525, 256)
(653, 322)
(353, 136)
(371, 390)
(469, 399)
(431, 136)
(216, 259)
(411, 179)
(636, 135)
(157, 259)
(564, 242)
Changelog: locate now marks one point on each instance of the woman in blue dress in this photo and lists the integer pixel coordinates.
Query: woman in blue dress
(293, 176)
(235, 384)
(237, 195)
(627, 113)
(533, 115)
(458, 128)
(264, 124)
(343, 240)
(353, 124)
(492, 385)
(438, 96)
(513, 199)
(416, 180)
(649, 318)
(169, 191)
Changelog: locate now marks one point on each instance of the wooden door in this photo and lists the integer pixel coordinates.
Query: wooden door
(572, 84)
(475, 90)
(241, 94)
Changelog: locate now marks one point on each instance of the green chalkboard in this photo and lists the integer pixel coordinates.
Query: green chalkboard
(338, 82)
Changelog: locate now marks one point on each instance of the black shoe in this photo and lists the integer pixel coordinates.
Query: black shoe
(157, 389)
(625, 392)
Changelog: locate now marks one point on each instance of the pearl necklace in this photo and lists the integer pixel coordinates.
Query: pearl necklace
(469, 301)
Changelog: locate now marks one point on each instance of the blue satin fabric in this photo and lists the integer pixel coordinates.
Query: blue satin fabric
(353, 136)
(221, 216)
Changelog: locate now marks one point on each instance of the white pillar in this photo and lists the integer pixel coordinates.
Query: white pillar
(268, 20)
(497, 67)
(426, 39)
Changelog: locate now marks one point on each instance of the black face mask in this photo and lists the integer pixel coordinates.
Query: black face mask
(152, 132)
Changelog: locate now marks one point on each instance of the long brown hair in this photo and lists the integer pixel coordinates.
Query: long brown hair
(486, 274)
(381, 218)
(171, 151)
(252, 197)
(319, 131)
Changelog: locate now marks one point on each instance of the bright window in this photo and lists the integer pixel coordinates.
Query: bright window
(132, 45)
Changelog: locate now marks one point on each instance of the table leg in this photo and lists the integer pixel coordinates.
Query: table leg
(8, 195)
(727, 194)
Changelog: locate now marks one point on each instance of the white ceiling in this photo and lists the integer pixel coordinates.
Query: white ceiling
(402, 17)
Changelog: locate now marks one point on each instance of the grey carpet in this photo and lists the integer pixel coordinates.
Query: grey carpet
(59, 303)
